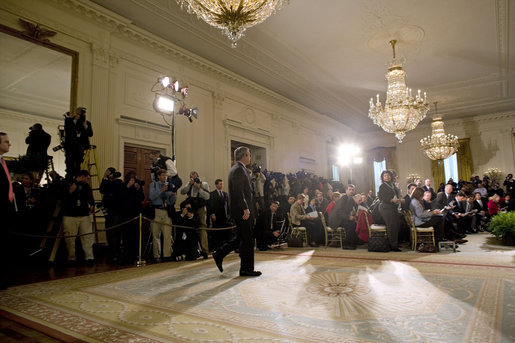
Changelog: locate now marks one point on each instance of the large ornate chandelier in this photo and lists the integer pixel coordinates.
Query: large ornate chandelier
(402, 112)
(439, 146)
(233, 17)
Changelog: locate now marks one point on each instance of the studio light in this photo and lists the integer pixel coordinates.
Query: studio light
(164, 104)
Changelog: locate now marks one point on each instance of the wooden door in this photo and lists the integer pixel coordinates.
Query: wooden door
(138, 160)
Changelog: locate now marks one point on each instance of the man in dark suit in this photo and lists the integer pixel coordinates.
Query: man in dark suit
(6, 204)
(240, 200)
(427, 187)
(266, 229)
(344, 215)
(77, 131)
(218, 213)
(446, 201)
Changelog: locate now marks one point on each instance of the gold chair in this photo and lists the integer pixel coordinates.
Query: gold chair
(331, 235)
(418, 233)
(375, 229)
(297, 230)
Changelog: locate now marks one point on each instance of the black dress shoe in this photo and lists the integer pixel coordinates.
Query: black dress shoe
(251, 273)
(218, 260)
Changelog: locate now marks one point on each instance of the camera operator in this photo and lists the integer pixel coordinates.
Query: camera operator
(133, 197)
(38, 141)
(112, 206)
(198, 194)
(77, 131)
(163, 199)
(186, 240)
(162, 162)
(509, 183)
(78, 203)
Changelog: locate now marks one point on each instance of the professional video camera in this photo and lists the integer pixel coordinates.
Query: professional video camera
(115, 173)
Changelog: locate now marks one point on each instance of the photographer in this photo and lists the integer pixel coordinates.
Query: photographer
(78, 203)
(77, 131)
(132, 206)
(509, 183)
(186, 241)
(163, 199)
(198, 194)
(38, 141)
(112, 206)
(162, 162)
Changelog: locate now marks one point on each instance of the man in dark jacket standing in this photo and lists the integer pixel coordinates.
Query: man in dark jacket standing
(240, 200)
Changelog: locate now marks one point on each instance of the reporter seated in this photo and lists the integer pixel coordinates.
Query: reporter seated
(313, 225)
(426, 218)
(463, 218)
(266, 229)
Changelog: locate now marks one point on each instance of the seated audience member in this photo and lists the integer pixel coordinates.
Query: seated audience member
(425, 218)
(306, 197)
(407, 198)
(441, 187)
(312, 207)
(509, 183)
(446, 202)
(321, 202)
(186, 243)
(334, 199)
(496, 189)
(266, 229)
(344, 215)
(427, 187)
(463, 219)
(481, 206)
(481, 189)
(504, 204)
(313, 225)
(427, 200)
(493, 204)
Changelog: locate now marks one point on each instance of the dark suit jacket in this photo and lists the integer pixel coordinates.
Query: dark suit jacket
(240, 191)
(430, 189)
(478, 207)
(4, 191)
(441, 200)
(216, 206)
(341, 212)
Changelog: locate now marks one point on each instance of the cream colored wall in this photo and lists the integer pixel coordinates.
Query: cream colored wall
(119, 63)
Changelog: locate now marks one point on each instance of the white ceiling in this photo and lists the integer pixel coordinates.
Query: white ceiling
(330, 55)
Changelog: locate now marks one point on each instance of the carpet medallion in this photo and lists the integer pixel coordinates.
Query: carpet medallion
(304, 297)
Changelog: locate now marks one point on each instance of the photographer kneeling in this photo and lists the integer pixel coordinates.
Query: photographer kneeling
(186, 241)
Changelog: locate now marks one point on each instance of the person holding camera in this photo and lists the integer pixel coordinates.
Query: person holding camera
(163, 199)
(112, 206)
(509, 183)
(198, 195)
(78, 204)
(77, 131)
(133, 197)
(186, 240)
(38, 141)
(162, 162)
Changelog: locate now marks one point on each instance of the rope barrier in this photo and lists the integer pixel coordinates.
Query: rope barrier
(117, 226)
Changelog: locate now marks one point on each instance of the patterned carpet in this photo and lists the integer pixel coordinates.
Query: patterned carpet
(322, 295)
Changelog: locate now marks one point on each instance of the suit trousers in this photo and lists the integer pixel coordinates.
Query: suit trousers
(78, 225)
(159, 229)
(201, 213)
(244, 241)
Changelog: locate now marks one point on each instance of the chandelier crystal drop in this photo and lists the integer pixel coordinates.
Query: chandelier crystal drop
(233, 17)
(439, 145)
(402, 112)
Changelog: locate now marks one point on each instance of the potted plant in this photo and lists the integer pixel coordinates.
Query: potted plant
(503, 225)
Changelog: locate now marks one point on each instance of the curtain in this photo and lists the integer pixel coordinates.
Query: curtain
(379, 154)
(438, 173)
(464, 158)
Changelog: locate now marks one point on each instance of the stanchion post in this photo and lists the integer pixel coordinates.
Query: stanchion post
(140, 262)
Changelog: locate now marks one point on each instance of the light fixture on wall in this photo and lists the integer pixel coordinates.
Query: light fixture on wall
(169, 100)
(439, 145)
(233, 17)
(402, 112)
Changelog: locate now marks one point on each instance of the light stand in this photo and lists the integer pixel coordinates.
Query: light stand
(169, 97)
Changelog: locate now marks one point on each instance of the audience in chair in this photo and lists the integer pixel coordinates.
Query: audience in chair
(425, 218)
(313, 225)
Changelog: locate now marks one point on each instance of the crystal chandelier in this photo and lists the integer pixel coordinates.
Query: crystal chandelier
(401, 112)
(233, 17)
(439, 146)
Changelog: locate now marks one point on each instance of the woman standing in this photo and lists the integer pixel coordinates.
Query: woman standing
(389, 195)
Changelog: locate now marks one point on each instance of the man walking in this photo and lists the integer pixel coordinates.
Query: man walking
(240, 200)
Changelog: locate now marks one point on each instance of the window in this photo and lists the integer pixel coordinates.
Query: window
(451, 168)
(378, 169)
(336, 173)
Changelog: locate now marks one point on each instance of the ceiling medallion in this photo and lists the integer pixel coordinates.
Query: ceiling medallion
(233, 17)
(439, 146)
(402, 112)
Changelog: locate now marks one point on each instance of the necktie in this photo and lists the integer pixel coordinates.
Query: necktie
(11, 193)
